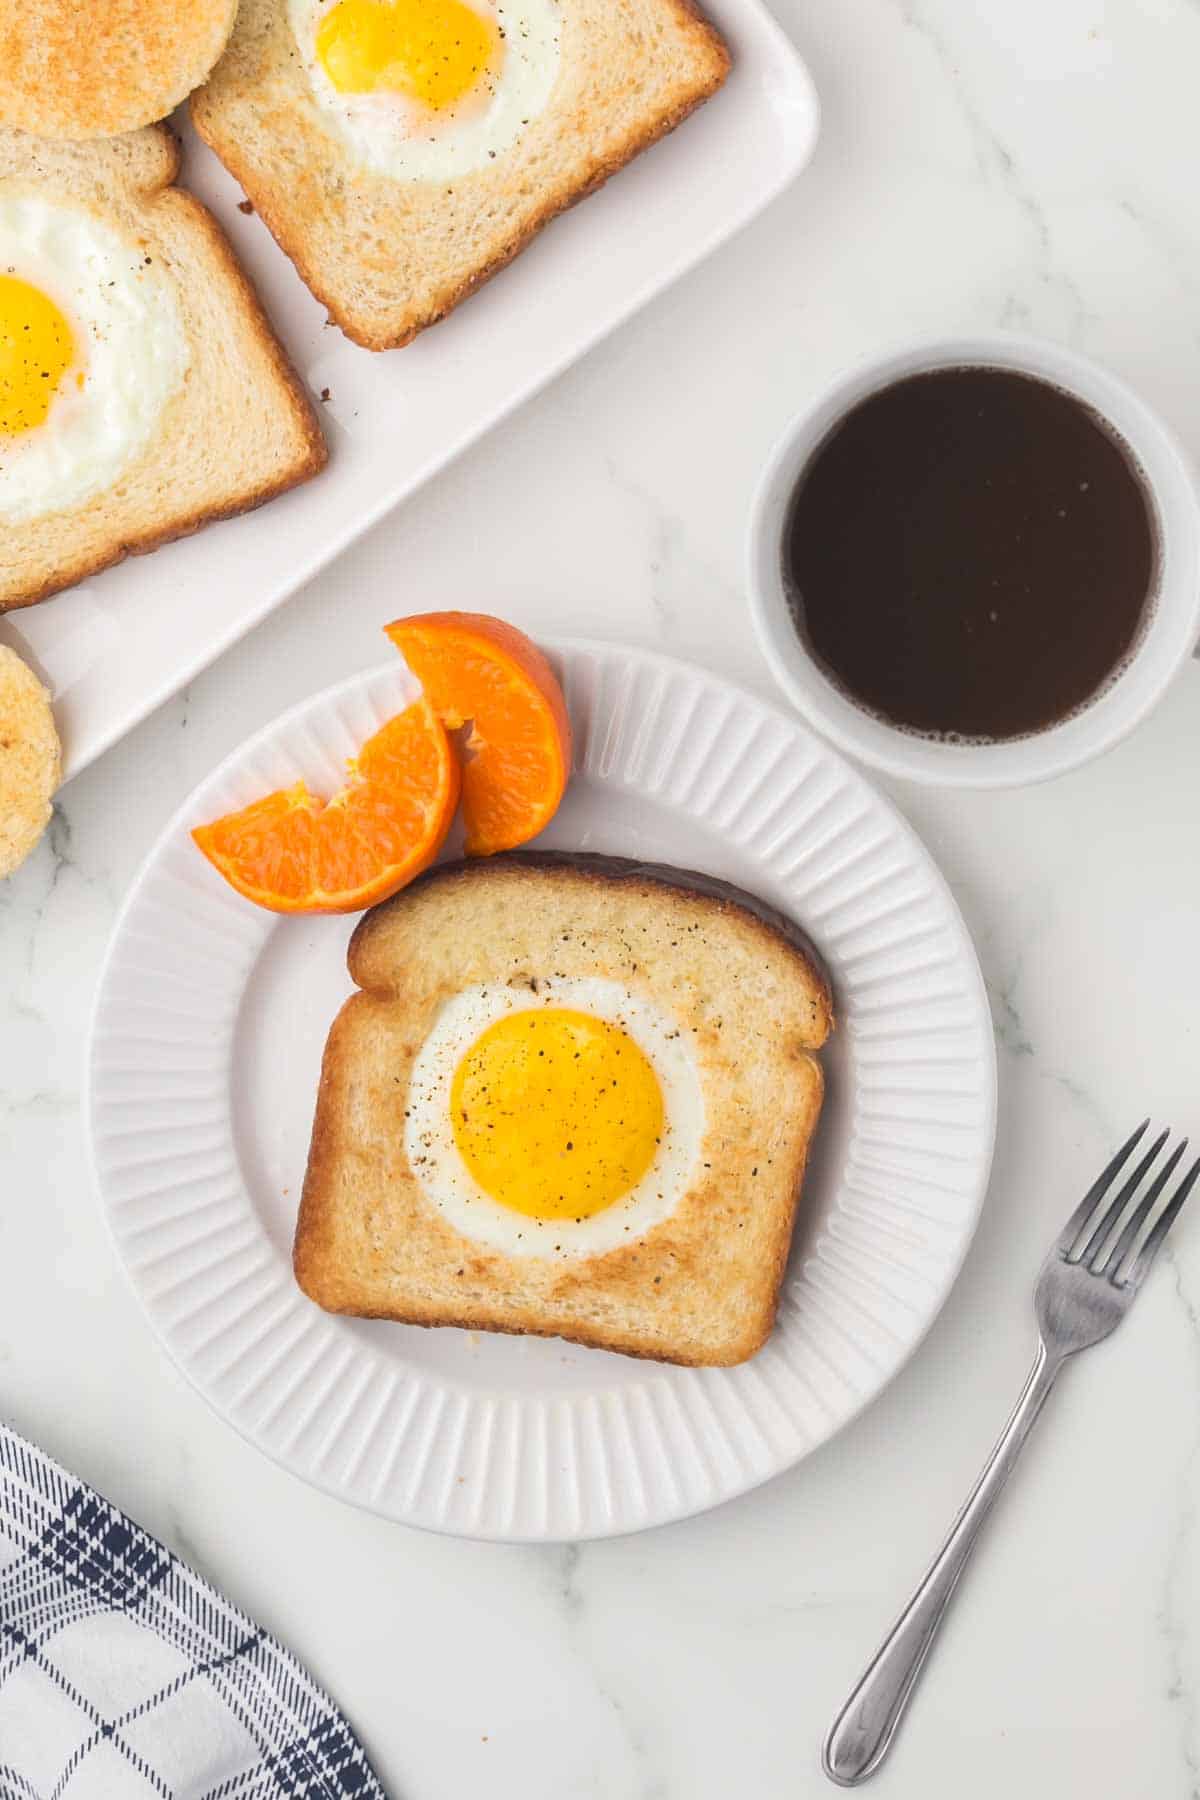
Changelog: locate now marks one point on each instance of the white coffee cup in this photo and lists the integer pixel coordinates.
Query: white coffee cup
(1167, 640)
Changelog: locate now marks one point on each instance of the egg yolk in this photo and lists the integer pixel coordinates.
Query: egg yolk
(556, 1114)
(434, 51)
(36, 350)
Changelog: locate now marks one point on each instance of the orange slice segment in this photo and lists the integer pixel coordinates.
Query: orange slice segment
(483, 671)
(296, 853)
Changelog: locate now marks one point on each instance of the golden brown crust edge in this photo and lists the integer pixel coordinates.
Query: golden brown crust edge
(757, 1336)
(359, 330)
(309, 1253)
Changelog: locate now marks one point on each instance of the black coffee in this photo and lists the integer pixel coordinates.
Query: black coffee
(970, 553)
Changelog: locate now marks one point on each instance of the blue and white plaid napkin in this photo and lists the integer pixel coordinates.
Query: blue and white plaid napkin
(123, 1674)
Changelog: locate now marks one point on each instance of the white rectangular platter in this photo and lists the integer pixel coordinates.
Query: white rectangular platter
(117, 646)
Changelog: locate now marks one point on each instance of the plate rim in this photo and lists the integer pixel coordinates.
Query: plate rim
(671, 1513)
(777, 179)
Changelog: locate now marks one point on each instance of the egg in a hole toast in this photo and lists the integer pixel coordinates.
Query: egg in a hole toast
(573, 1097)
(142, 390)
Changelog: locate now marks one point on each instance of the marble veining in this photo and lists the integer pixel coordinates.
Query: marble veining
(998, 166)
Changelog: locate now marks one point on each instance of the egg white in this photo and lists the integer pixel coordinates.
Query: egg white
(434, 1158)
(394, 136)
(130, 344)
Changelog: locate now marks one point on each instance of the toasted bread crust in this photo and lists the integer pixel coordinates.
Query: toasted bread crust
(699, 1288)
(142, 197)
(401, 321)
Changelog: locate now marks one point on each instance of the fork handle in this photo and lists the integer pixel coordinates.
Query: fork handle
(862, 1733)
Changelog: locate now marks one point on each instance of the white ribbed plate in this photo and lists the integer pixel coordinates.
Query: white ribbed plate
(207, 1038)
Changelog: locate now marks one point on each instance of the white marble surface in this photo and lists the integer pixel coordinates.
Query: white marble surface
(1001, 162)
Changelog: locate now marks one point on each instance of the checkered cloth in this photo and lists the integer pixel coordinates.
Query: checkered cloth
(123, 1674)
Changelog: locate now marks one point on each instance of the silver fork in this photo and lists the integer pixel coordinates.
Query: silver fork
(1087, 1285)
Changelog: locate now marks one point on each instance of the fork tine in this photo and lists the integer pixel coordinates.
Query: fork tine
(1113, 1211)
(1167, 1218)
(1141, 1212)
(1096, 1192)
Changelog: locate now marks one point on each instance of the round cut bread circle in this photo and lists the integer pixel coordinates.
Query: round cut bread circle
(30, 760)
(75, 70)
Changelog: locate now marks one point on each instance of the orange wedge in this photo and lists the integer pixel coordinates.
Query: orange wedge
(481, 671)
(295, 853)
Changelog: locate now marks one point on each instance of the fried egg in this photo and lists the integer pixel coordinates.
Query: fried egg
(92, 347)
(425, 90)
(561, 1122)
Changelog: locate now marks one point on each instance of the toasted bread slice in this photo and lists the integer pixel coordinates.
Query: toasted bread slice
(238, 428)
(701, 1285)
(30, 760)
(389, 257)
(72, 69)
